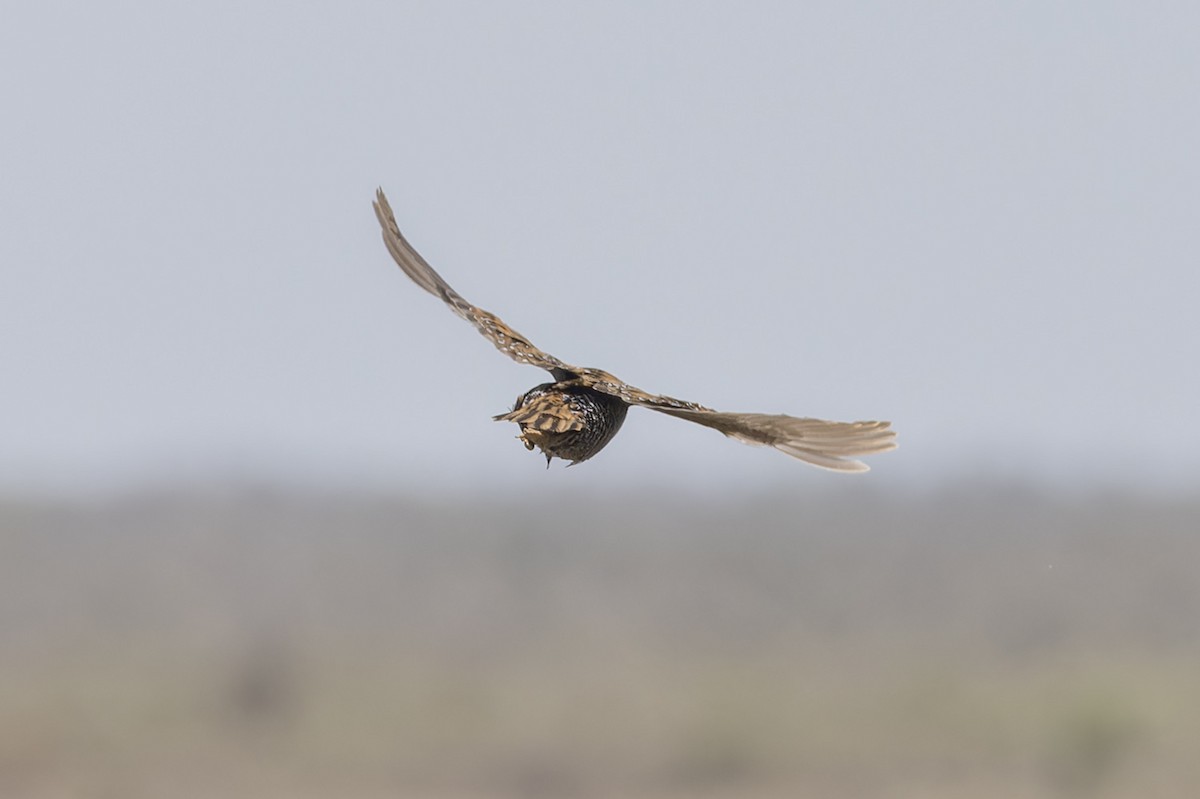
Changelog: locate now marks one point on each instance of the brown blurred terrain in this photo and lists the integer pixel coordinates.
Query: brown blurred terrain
(981, 643)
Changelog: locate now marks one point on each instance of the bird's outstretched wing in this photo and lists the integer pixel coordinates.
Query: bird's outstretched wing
(830, 445)
(507, 340)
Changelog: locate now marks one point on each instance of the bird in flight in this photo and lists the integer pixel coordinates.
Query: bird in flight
(577, 414)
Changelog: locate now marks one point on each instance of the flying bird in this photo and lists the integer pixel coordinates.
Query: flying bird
(577, 414)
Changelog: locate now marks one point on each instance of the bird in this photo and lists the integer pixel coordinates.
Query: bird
(579, 412)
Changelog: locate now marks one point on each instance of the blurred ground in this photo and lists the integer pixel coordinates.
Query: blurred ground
(985, 642)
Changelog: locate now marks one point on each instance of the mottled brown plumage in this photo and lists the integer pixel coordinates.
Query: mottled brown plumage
(566, 420)
(574, 417)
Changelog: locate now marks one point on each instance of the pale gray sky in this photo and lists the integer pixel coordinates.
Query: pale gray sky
(978, 220)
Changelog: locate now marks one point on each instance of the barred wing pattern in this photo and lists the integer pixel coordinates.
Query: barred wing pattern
(507, 340)
(829, 445)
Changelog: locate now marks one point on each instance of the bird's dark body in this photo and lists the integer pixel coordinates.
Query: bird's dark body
(601, 416)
